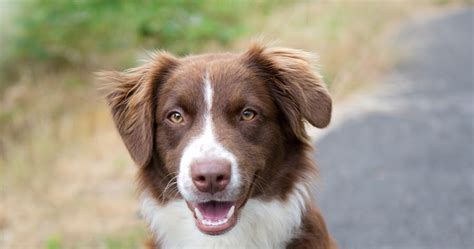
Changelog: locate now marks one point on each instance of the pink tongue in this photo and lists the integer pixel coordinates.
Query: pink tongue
(214, 210)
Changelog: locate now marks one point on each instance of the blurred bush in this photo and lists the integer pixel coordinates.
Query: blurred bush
(53, 34)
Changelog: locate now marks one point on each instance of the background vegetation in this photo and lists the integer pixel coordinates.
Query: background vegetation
(58, 34)
(66, 179)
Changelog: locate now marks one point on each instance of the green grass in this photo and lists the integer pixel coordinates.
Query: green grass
(128, 240)
(54, 243)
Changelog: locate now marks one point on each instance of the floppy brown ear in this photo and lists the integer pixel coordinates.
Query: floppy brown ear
(298, 90)
(131, 98)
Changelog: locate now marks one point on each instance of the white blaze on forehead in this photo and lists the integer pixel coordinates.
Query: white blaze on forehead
(208, 94)
(206, 146)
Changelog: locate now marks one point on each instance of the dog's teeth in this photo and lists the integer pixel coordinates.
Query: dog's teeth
(231, 212)
(198, 214)
(214, 223)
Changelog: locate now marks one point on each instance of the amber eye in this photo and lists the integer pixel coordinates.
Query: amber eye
(248, 115)
(176, 117)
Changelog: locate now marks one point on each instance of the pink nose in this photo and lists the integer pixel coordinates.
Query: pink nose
(210, 176)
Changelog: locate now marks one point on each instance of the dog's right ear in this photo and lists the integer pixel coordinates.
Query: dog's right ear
(298, 90)
(131, 98)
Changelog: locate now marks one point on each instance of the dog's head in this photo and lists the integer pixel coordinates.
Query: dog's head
(212, 127)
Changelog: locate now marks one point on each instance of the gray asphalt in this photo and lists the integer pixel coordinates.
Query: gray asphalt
(405, 178)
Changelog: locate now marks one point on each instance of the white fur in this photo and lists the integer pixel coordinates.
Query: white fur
(206, 146)
(262, 224)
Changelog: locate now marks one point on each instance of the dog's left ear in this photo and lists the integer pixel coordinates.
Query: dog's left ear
(297, 88)
(131, 96)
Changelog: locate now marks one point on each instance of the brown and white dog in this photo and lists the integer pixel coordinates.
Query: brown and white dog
(221, 147)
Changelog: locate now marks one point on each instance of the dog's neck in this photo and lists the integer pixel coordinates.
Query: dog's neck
(262, 224)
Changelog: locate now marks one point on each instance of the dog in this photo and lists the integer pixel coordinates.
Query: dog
(221, 147)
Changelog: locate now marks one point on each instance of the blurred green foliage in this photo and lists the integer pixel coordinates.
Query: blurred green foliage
(54, 243)
(56, 33)
(126, 239)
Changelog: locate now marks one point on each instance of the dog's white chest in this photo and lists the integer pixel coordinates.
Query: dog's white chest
(262, 224)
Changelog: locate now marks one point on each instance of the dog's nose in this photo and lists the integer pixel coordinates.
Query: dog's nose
(211, 176)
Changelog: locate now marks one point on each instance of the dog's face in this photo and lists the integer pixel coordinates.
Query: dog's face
(215, 125)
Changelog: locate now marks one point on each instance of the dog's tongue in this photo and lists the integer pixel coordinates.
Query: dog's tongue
(214, 210)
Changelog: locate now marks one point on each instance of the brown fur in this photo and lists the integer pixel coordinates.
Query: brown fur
(272, 149)
(314, 234)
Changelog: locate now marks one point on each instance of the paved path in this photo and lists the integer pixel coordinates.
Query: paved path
(404, 177)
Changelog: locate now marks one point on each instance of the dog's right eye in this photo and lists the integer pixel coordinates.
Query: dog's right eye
(248, 115)
(176, 117)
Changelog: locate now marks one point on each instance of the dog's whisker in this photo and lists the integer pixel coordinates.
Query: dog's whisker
(261, 188)
(176, 193)
(257, 184)
(170, 183)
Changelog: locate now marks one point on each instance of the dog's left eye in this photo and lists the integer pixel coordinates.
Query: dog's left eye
(176, 117)
(248, 115)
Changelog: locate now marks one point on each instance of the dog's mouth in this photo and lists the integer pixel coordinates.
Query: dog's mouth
(217, 217)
